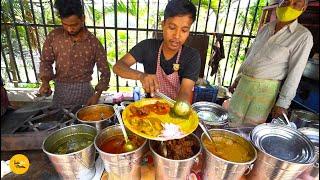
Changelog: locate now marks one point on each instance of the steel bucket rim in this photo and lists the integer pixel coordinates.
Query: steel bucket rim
(231, 162)
(94, 122)
(312, 161)
(111, 154)
(69, 154)
(175, 160)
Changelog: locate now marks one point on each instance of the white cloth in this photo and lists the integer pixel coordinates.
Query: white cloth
(5, 169)
(279, 56)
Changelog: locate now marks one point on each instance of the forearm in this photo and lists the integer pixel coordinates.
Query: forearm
(185, 96)
(126, 72)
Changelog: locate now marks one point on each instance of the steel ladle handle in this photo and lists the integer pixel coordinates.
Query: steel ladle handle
(163, 96)
(205, 130)
(117, 112)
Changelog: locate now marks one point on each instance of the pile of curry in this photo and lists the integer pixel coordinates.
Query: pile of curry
(229, 148)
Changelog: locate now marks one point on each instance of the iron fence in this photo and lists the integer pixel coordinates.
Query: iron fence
(119, 25)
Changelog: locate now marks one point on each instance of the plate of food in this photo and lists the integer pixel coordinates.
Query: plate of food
(152, 118)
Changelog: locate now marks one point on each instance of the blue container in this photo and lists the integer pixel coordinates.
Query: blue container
(208, 93)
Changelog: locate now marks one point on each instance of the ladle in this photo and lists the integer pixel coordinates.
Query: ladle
(205, 130)
(180, 108)
(128, 146)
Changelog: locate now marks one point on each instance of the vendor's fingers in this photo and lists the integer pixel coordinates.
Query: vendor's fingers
(156, 84)
(152, 88)
(145, 86)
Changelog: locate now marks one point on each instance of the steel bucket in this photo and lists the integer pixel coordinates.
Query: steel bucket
(313, 135)
(120, 166)
(213, 115)
(100, 124)
(218, 168)
(170, 169)
(283, 152)
(304, 118)
(76, 165)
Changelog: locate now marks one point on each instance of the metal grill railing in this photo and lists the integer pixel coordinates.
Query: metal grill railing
(119, 25)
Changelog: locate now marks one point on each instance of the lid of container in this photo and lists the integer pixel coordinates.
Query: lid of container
(312, 134)
(211, 113)
(283, 142)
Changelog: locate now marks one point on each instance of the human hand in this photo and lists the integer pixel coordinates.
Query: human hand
(93, 99)
(149, 83)
(233, 86)
(45, 89)
(278, 111)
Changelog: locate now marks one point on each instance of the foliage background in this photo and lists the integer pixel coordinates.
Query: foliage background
(31, 15)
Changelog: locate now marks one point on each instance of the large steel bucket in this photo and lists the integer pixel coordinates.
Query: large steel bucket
(284, 152)
(304, 118)
(313, 135)
(97, 108)
(218, 168)
(170, 169)
(76, 165)
(120, 166)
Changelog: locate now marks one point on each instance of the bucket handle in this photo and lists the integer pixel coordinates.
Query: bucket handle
(76, 157)
(248, 170)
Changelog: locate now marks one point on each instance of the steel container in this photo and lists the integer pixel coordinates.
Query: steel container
(212, 114)
(170, 169)
(312, 70)
(304, 118)
(283, 152)
(313, 135)
(218, 168)
(100, 124)
(76, 165)
(120, 166)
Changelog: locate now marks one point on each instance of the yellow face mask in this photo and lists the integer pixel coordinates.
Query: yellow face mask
(285, 14)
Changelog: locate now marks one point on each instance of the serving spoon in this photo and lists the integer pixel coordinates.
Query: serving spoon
(180, 108)
(128, 146)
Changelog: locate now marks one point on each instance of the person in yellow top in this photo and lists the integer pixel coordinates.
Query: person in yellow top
(278, 56)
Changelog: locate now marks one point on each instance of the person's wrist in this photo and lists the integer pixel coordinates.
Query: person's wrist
(141, 76)
(98, 93)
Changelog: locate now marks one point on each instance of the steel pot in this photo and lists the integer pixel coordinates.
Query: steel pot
(170, 169)
(283, 152)
(120, 166)
(98, 108)
(304, 118)
(76, 165)
(212, 114)
(312, 70)
(313, 135)
(218, 168)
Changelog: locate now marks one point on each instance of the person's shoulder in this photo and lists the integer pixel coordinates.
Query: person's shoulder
(303, 31)
(190, 51)
(56, 32)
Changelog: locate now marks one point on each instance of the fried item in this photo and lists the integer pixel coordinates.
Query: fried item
(228, 149)
(179, 149)
(158, 108)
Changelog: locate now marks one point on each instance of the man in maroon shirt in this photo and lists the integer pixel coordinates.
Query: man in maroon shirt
(75, 51)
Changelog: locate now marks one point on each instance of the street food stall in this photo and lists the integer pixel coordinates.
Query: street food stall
(73, 144)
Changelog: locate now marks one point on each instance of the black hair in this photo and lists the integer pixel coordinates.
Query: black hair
(68, 8)
(180, 7)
